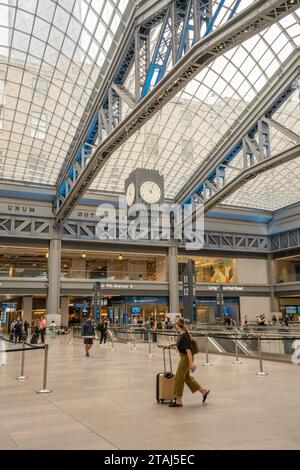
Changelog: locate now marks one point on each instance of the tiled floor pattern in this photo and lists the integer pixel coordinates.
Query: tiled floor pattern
(107, 401)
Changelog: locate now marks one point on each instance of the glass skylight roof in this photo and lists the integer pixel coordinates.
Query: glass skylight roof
(180, 137)
(51, 54)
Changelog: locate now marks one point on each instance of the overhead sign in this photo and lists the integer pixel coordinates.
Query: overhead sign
(114, 285)
(225, 288)
(189, 291)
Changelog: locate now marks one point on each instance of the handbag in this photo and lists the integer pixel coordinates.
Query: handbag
(194, 347)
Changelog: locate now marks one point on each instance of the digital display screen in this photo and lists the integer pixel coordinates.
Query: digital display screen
(290, 310)
(136, 310)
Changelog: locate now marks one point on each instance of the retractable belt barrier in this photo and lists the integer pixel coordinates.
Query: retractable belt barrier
(23, 349)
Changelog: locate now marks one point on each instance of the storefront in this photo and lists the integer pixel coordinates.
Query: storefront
(8, 313)
(210, 270)
(212, 309)
(290, 306)
(131, 309)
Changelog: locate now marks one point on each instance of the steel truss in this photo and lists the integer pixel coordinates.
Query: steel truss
(42, 228)
(285, 240)
(250, 136)
(112, 132)
(25, 226)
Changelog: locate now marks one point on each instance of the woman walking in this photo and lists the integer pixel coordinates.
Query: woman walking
(186, 363)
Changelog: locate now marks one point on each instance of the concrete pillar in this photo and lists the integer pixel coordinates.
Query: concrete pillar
(274, 301)
(27, 309)
(173, 279)
(64, 310)
(54, 262)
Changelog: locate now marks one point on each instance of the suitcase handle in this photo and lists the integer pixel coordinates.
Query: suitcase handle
(164, 354)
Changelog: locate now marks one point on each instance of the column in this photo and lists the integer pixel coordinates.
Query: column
(173, 279)
(274, 301)
(64, 310)
(54, 261)
(27, 309)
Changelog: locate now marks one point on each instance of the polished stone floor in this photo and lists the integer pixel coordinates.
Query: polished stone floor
(107, 401)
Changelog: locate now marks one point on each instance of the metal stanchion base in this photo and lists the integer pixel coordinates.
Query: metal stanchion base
(45, 390)
(149, 355)
(2, 365)
(262, 373)
(207, 364)
(22, 377)
(237, 362)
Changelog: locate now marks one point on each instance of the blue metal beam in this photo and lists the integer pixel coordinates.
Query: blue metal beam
(161, 55)
(188, 27)
(234, 9)
(214, 17)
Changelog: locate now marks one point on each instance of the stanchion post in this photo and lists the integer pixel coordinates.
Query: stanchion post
(22, 376)
(261, 371)
(206, 350)
(237, 361)
(133, 343)
(71, 335)
(45, 389)
(111, 341)
(149, 344)
(2, 364)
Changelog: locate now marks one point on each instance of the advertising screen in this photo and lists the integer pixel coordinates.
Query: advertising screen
(136, 310)
(290, 310)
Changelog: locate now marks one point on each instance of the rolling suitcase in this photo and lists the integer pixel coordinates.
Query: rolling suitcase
(165, 383)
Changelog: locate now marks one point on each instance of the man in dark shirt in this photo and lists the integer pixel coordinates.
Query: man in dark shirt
(88, 333)
(18, 331)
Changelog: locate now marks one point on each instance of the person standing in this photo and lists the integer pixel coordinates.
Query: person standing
(43, 326)
(186, 363)
(26, 327)
(103, 331)
(52, 329)
(18, 331)
(88, 333)
(12, 330)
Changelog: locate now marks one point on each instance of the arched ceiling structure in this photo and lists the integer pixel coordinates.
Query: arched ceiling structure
(51, 59)
(181, 137)
(51, 56)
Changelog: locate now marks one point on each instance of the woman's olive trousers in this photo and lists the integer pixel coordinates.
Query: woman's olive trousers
(183, 376)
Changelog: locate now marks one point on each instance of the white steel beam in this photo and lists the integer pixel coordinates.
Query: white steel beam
(250, 173)
(251, 21)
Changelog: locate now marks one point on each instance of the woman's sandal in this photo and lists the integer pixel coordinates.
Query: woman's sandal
(205, 396)
(173, 404)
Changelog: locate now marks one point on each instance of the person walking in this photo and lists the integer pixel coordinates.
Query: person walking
(18, 331)
(52, 329)
(186, 363)
(43, 326)
(88, 333)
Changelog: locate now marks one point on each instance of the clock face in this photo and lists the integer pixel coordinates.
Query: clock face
(130, 194)
(150, 192)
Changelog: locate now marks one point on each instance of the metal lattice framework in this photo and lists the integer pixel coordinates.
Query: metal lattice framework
(243, 26)
(249, 150)
(42, 228)
(285, 240)
(52, 56)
